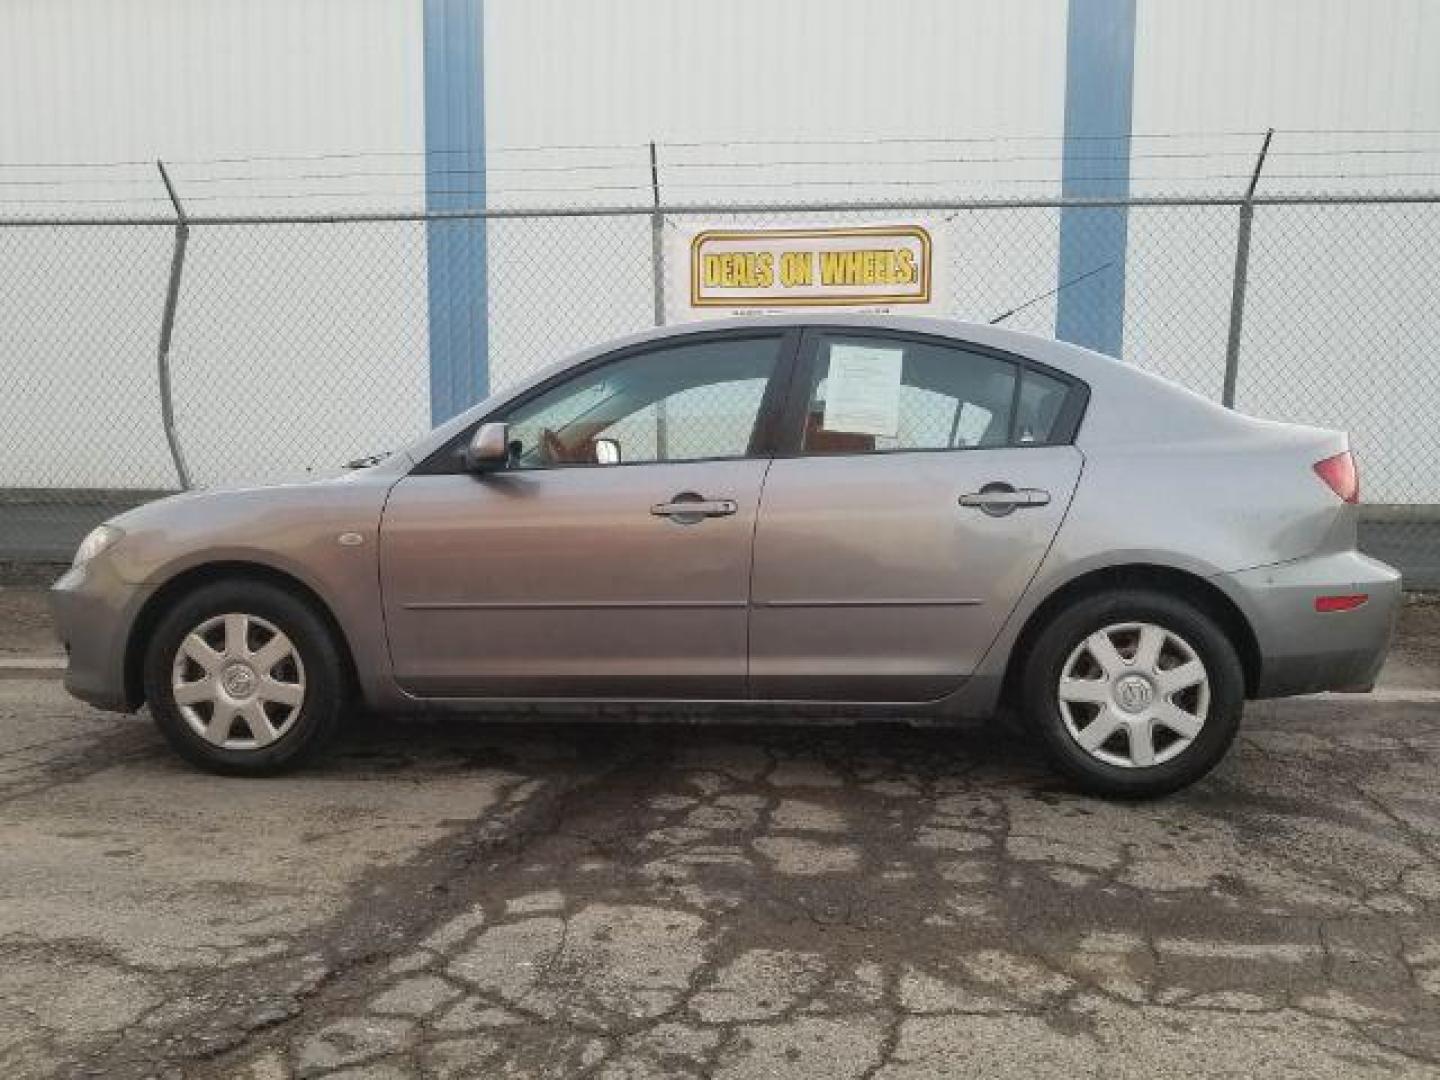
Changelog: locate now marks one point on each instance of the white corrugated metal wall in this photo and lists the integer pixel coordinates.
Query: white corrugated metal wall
(1355, 93)
(221, 90)
(245, 99)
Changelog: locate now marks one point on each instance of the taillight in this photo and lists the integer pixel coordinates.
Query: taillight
(1341, 474)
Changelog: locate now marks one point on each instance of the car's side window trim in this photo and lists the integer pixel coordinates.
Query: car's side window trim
(769, 431)
(792, 437)
(446, 461)
(1012, 437)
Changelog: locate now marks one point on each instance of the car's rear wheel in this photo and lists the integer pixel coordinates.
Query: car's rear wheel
(244, 678)
(1134, 692)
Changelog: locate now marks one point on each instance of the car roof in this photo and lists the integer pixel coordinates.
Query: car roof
(997, 337)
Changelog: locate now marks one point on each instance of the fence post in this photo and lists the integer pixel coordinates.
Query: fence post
(167, 328)
(657, 274)
(657, 240)
(1242, 272)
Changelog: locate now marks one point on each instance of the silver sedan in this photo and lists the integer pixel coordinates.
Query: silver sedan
(802, 517)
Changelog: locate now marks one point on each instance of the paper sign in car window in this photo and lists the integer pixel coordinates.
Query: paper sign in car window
(862, 395)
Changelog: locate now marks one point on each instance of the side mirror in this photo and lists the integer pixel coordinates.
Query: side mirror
(489, 448)
(607, 451)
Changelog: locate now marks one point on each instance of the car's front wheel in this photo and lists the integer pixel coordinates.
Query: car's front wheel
(1134, 692)
(244, 678)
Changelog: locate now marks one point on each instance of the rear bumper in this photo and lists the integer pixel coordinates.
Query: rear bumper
(1303, 651)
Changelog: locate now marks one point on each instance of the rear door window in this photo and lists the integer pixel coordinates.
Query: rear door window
(873, 394)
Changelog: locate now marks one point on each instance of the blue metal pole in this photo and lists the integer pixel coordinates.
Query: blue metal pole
(454, 50)
(1099, 84)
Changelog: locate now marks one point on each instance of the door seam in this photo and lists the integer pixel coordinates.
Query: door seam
(1020, 598)
(750, 577)
(380, 590)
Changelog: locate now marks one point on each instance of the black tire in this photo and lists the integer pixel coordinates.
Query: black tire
(1044, 664)
(326, 690)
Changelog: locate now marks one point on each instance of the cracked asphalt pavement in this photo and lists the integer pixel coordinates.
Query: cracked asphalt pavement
(459, 897)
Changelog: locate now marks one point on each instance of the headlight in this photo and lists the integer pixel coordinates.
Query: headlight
(100, 538)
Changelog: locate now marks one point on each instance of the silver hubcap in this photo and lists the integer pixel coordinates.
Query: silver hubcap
(1134, 695)
(238, 681)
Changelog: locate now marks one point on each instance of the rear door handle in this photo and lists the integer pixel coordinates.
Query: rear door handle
(687, 508)
(1000, 499)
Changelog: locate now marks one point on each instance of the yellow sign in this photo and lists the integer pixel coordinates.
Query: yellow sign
(865, 266)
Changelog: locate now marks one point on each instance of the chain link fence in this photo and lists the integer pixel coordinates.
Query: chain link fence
(301, 343)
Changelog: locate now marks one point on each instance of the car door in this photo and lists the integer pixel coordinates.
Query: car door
(924, 482)
(564, 577)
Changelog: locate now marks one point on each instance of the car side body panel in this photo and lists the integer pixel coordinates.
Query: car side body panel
(566, 582)
(324, 534)
(873, 582)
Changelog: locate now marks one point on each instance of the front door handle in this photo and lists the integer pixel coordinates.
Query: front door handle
(687, 508)
(999, 499)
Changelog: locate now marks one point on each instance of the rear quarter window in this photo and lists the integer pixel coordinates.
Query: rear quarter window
(1037, 415)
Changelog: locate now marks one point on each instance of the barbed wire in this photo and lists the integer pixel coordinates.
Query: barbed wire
(491, 150)
(788, 163)
(643, 191)
(683, 162)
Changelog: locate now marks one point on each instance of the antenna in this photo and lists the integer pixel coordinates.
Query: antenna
(1046, 295)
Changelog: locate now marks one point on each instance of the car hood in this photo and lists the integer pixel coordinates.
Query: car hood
(281, 491)
(283, 525)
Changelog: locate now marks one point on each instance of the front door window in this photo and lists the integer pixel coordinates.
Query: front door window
(692, 402)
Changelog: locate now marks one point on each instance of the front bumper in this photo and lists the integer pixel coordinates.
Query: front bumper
(93, 609)
(1303, 651)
